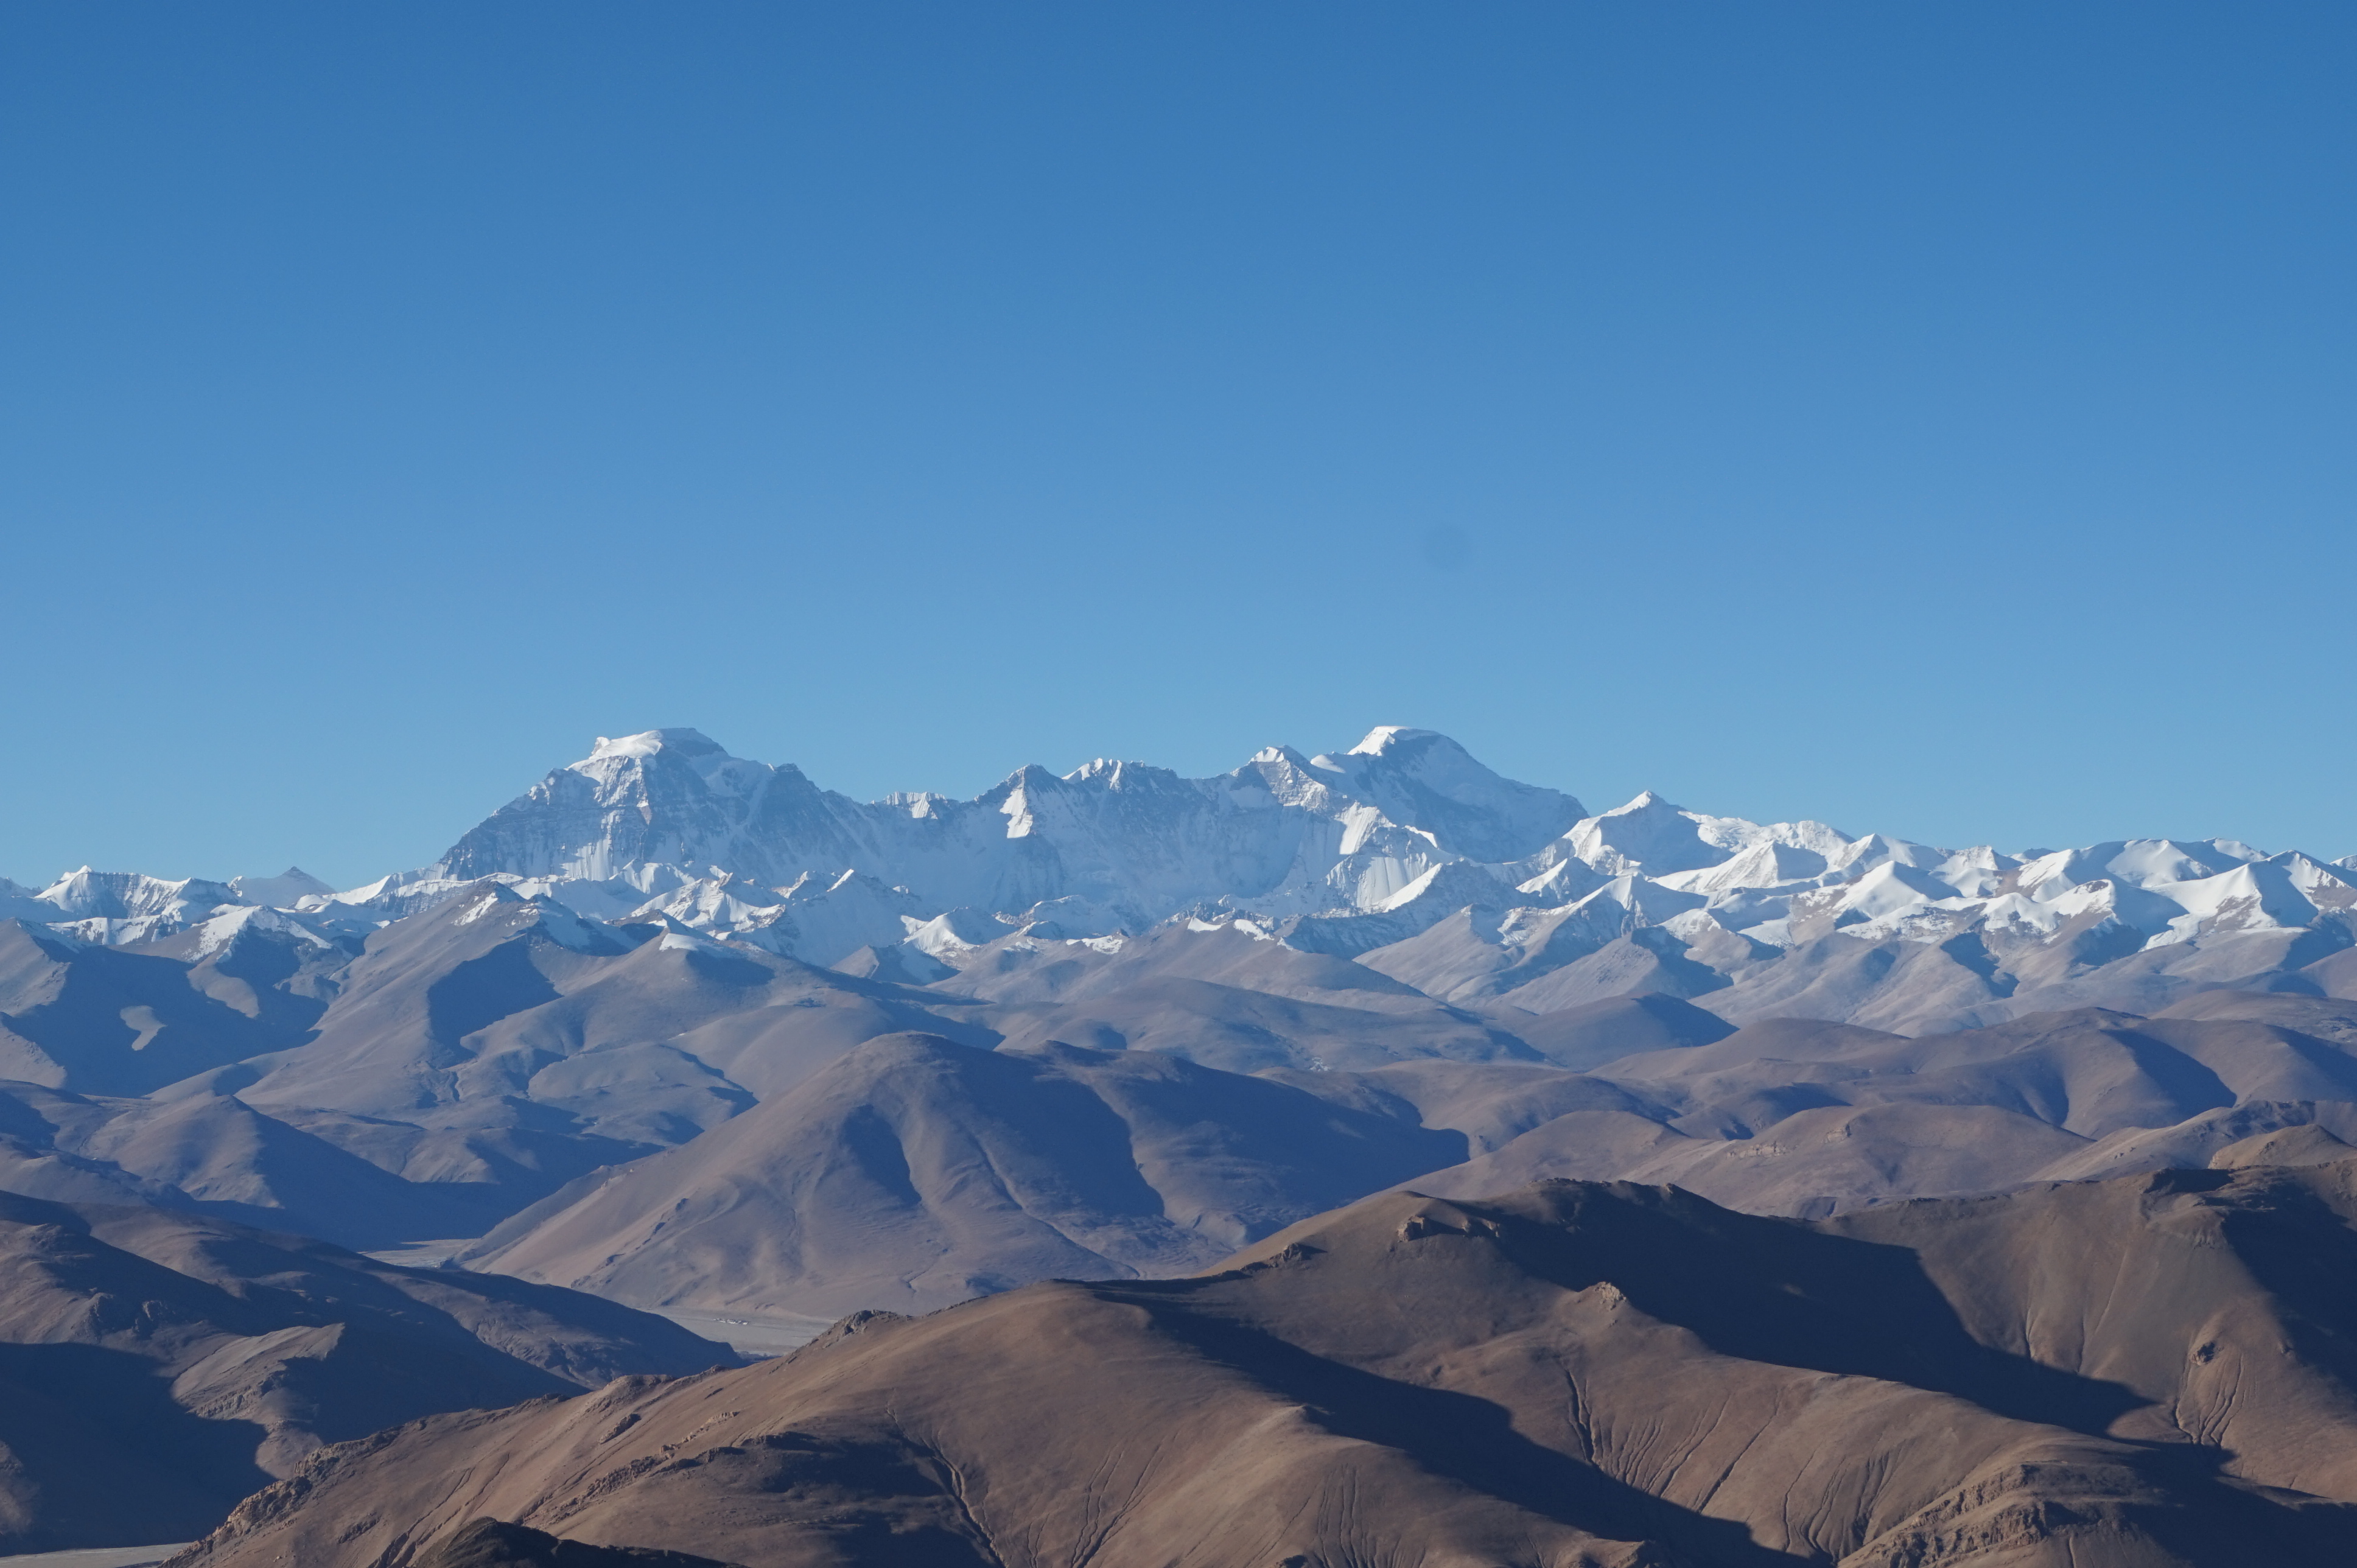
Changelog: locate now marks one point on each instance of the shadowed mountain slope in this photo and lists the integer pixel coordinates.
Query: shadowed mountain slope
(99, 1020)
(1593, 1033)
(1576, 1374)
(212, 1154)
(913, 1172)
(1798, 1116)
(1225, 999)
(496, 1046)
(2224, 1300)
(491, 1543)
(1246, 1031)
(2089, 1071)
(156, 1367)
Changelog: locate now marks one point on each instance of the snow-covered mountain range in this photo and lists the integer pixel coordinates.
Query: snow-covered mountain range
(693, 1034)
(1404, 853)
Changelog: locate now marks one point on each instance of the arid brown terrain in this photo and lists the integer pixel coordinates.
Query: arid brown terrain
(2147, 1372)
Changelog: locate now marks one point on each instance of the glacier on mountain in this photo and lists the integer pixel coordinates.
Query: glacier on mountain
(1403, 853)
(1109, 846)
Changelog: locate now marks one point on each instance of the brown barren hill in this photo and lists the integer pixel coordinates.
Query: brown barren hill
(156, 1367)
(1579, 1373)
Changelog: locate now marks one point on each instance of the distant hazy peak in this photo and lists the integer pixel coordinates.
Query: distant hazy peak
(282, 891)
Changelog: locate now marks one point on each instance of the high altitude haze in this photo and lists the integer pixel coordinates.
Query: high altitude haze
(1931, 417)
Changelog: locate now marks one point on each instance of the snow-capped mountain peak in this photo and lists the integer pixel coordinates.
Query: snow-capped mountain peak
(1134, 842)
(648, 743)
(1404, 852)
(1422, 779)
(1648, 835)
(283, 891)
(1384, 738)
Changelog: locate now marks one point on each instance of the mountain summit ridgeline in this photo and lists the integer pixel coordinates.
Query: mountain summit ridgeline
(1403, 853)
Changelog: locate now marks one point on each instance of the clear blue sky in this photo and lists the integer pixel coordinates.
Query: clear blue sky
(1931, 418)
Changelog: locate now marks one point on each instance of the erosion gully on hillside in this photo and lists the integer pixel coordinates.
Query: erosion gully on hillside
(1576, 1374)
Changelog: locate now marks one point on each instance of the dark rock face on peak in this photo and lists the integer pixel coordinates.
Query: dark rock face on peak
(2149, 1372)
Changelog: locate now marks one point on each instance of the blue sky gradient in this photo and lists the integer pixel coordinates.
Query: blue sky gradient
(1934, 419)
